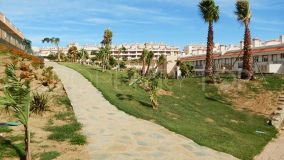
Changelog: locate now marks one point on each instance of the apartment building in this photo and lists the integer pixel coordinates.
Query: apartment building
(10, 35)
(268, 57)
(133, 51)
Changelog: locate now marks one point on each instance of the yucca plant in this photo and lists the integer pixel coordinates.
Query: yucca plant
(39, 103)
(17, 99)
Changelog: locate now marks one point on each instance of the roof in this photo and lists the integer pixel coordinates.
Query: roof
(265, 49)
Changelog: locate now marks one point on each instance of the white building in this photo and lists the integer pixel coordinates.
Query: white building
(268, 58)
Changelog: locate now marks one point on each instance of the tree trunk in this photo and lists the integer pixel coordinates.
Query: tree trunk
(143, 67)
(247, 72)
(27, 142)
(209, 54)
(148, 68)
(58, 54)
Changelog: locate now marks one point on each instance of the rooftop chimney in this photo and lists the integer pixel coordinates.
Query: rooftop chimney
(242, 44)
(282, 38)
(256, 42)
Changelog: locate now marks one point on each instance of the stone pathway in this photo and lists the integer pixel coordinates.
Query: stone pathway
(114, 135)
(274, 150)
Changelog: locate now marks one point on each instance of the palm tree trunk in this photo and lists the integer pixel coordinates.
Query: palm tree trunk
(247, 72)
(209, 54)
(27, 142)
(143, 67)
(58, 54)
(148, 68)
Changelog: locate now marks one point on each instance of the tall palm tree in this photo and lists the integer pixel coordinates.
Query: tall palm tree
(149, 60)
(243, 14)
(55, 41)
(210, 14)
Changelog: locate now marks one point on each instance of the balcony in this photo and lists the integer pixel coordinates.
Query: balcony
(10, 27)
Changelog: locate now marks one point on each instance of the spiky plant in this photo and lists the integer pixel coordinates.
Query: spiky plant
(243, 14)
(210, 14)
(17, 98)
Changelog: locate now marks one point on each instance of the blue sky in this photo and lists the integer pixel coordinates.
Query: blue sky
(176, 22)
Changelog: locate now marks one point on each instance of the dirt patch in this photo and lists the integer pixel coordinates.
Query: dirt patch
(39, 141)
(209, 120)
(162, 92)
(249, 96)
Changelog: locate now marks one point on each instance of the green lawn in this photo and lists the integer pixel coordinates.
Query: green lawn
(194, 111)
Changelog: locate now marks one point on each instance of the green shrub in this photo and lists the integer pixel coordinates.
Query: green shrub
(131, 73)
(78, 139)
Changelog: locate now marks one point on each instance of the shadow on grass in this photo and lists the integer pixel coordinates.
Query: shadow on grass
(124, 97)
(145, 104)
(217, 99)
(8, 145)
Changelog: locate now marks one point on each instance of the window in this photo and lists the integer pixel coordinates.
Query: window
(264, 58)
(282, 56)
(274, 57)
(255, 59)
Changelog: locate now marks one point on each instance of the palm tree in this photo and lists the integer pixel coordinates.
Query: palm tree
(143, 59)
(72, 53)
(106, 47)
(120, 50)
(55, 41)
(149, 60)
(243, 14)
(210, 14)
(17, 98)
(161, 62)
(28, 45)
(83, 54)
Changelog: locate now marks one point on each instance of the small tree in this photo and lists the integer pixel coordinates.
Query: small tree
(17, 98)
(185, 69)
(150, 85)
(149, 60)
(28, 45)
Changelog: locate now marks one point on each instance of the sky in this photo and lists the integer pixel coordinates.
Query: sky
(174, 22)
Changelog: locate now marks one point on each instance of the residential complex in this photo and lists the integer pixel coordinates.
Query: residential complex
(10, 36)
(268, 57)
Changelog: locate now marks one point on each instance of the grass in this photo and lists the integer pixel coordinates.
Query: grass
(186, 112)
(49, 155)
(64, 100)
(67, 132)
(274, 82)
(5, 129)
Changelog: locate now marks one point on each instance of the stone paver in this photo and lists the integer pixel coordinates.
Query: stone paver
(274, 150)
(114, 135)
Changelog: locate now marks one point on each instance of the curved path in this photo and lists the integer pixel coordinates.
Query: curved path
(114, 135)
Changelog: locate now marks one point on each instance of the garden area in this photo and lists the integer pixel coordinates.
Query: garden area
(189, 107)
(54, 130)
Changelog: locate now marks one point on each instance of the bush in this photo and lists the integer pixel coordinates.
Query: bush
(39, 103)
(131, 73)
